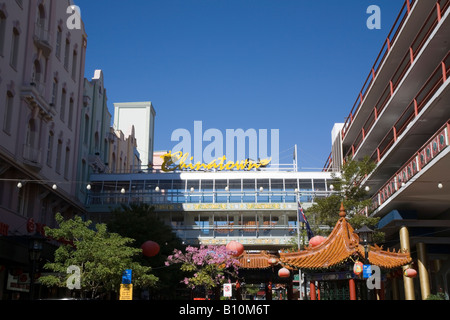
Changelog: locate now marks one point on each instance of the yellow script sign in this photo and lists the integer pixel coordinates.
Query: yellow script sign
(177, 161)
(126, 291)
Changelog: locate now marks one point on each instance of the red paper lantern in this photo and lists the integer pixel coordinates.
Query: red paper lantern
(284, 273)
(410, 273)
(358, 268)
(235, 248)
(150, 248)
(315, 241)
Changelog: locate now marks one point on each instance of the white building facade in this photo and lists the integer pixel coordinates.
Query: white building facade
(141, 115)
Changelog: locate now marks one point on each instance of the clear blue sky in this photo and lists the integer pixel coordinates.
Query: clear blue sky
(292, 65)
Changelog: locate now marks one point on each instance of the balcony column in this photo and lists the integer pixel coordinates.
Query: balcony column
(352, 288)
(423, 270)
(404, 246)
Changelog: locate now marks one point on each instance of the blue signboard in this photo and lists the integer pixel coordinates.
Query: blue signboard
(126, 276)
(367, 271)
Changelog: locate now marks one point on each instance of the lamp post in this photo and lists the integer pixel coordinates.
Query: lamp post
(365, 235)
(35, 244)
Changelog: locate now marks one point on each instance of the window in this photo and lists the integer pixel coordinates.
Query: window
(62, 113)
(2, 31)
(58, 157)
(15, 48)
(55, 92)
(74, 65)
(36, 75)
(66, 55)
(66, 163)
(50, 148)
(86, 129)
(58, 42)
(8, 112)
(70, 113)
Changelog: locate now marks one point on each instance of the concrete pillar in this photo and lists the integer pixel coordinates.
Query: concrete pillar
(423, 270)
(404, 246)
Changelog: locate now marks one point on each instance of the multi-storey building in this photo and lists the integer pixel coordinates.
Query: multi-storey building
(401, 120)
(140, 117)
(123, 155)
(94, 133)
(258, 208)
(42, 60)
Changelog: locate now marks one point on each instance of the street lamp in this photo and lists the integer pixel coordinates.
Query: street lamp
(35, 244)
(365, 235)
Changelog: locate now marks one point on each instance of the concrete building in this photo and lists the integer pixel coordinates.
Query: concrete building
(141, 115)
(41, 87)
(401, 120)
(123, 156)
(94, 132)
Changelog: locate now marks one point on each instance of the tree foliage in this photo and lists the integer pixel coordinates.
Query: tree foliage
(209, 265)
(349, 191)
(102, 257)
(139, 222)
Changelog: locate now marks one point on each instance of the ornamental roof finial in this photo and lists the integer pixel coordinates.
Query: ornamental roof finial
(342, 213)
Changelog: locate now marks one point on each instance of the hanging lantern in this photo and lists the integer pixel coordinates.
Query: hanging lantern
(150, 248)
(410, 273)
(315, 241)
(358, 268)
(284, 273)
(235, 248)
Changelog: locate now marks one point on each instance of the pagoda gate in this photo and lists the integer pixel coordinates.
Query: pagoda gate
(328, 266)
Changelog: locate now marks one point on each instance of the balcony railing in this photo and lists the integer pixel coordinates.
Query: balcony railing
(387, 45)
(434, 82)
(430, 150)
(112, 198)
(422, 36)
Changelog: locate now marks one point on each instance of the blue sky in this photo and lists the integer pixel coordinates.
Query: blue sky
(291, 65)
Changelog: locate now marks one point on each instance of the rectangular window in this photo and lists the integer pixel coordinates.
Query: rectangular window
(58, 157)
(66, 164)
(2, 31)
(55, 92)
(74, 65)
(8, 112)
(49, 149)
(62, 113)
(70, 113)
(15, 48)
(58, 42)
(67, 54)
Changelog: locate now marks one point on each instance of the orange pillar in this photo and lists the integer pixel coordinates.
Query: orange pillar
(352, 289)
(312, 290)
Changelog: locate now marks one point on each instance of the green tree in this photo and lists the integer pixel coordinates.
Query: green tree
(139, 222)
(101, 257)
(350, 192)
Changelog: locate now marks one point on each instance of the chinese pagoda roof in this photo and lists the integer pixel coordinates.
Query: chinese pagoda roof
(257, 260)
(339, 247)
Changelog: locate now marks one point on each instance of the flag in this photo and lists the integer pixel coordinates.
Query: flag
(302, 218)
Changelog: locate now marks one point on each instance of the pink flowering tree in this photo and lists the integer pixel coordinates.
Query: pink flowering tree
(210, 265)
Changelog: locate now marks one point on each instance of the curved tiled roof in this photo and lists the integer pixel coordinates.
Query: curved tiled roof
(258, 260)
(341, 245)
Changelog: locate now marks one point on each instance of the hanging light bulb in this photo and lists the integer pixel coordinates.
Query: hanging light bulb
(122, 190)
(88, 187)
(54, 187)
(19, 185)
(157, 189)
(440, 185)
